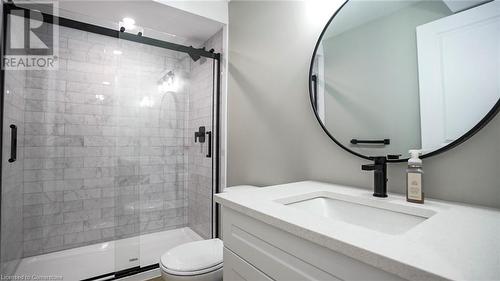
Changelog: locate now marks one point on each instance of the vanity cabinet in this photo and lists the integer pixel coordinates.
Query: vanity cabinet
(237, 269)
(254, 250)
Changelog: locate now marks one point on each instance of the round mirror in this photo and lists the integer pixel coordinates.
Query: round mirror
(389, 76)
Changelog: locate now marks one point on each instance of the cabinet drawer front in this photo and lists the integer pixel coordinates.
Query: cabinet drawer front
(283, 256)
(236, 269)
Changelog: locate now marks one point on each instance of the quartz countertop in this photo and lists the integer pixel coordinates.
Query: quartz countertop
(459, 242)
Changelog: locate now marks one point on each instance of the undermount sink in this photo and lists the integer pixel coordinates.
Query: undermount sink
(376, 215)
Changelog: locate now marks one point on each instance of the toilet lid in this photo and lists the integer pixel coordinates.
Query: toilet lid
(193, 256)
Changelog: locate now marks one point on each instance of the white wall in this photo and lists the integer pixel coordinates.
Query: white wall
(212, 9)
(275, 138)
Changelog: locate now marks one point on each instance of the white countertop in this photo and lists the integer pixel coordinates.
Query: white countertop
(459, 242)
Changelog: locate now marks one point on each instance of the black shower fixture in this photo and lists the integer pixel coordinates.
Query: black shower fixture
(122, 29)
(194, 56)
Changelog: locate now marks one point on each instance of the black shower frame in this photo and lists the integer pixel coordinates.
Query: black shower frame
(216, 99)
(483, 122)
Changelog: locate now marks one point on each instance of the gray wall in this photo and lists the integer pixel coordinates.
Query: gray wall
(273, 136)
(371, 77)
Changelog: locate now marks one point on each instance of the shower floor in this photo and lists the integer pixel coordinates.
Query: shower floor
(98, 259)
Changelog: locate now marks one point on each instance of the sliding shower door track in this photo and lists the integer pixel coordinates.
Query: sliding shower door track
(123, 273)
(83, 26)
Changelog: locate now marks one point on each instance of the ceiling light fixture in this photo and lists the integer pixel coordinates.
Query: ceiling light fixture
(128, 23)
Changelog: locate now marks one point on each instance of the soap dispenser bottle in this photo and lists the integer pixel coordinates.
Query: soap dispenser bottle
(414, 173)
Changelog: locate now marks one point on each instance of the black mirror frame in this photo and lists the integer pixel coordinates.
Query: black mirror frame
(485, 120)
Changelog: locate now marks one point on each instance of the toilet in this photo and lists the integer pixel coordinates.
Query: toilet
(199, 260)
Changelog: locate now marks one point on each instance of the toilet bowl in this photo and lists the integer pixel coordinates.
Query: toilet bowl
(199, 260)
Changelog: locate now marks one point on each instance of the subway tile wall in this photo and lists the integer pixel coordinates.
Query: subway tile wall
(200, 167)
(105, 153)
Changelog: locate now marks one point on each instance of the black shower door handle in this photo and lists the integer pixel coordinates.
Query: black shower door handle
(13, 143)
(209, 154)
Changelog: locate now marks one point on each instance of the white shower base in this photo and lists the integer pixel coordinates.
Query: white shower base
(98, 259)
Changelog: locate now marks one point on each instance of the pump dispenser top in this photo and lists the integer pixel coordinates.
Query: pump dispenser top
(414, 157)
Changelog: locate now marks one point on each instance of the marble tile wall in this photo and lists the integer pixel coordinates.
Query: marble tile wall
(200, 167)
(104, 150)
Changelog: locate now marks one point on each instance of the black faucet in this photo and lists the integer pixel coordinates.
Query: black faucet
(379, 168)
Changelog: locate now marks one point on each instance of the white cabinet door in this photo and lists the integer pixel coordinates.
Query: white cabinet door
(236, 269)
(282, 256)
(459, 72)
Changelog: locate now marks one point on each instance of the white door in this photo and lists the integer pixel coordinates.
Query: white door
(459, 72)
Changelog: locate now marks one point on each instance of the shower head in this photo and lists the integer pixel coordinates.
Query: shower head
(168, 82)
(194, 57)
(168, 77)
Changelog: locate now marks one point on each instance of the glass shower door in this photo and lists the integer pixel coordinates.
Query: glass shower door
(201, 155)
(12, 172)
(127, 88)
(58, 194)
(99, 157)
(165, 97)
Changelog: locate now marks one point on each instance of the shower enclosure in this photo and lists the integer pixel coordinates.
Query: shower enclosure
(101, 170)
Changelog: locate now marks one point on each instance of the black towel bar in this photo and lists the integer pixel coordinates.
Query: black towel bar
(384, 141)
